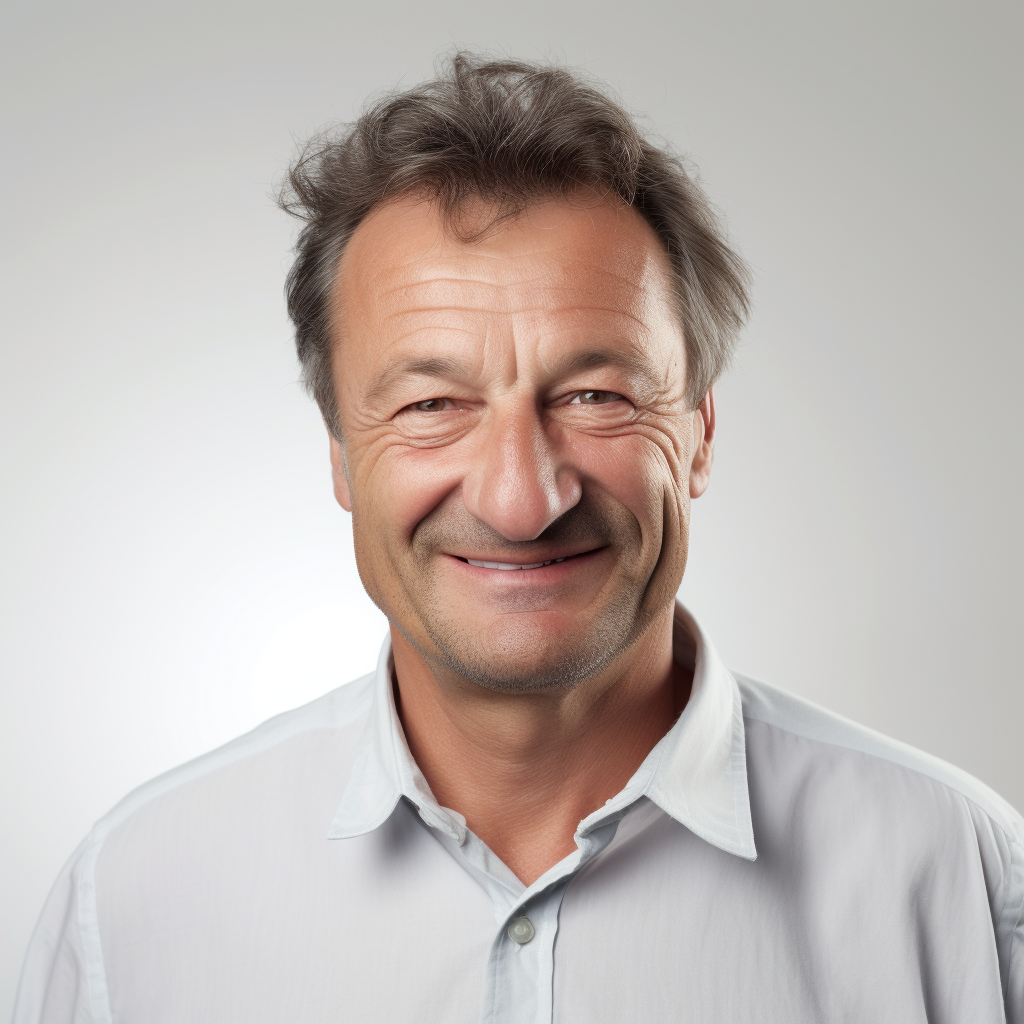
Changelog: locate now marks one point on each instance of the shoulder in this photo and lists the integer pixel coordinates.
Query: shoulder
(832, 736)
(305, 745)
(193, 828)
(893, 818)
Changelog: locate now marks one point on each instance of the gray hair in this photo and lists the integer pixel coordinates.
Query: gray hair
(511, 133)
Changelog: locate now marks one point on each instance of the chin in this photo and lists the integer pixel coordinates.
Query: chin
(522, 653)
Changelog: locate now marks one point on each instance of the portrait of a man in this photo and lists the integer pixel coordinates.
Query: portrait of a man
(551, 800)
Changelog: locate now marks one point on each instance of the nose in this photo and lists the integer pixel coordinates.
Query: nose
(518, 483)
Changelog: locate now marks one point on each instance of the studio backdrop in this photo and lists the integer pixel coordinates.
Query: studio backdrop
(174, 568)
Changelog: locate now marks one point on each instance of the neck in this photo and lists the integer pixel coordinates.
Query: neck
(525, 768)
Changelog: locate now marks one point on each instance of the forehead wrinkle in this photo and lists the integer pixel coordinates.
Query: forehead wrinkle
(442, 309)
(428, 282)
(419, 299)
(432, 330)
(554, 276)
(606, 309)
(506, 314)
(566, 303)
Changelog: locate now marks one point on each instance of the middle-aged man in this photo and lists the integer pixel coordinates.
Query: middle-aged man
(551, 801)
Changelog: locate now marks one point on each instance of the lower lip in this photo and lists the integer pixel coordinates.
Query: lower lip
(542, 574)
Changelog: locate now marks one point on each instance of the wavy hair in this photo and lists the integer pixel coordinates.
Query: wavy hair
(511, 133)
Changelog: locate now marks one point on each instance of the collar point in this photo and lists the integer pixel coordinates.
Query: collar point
(350, 822)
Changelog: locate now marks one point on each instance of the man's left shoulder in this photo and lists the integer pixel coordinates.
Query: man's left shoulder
(854, 754)
(888, 821)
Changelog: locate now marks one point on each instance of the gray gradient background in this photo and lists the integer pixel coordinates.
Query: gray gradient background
(174, 568)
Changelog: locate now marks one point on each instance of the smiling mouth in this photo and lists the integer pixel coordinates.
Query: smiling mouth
(517, 565)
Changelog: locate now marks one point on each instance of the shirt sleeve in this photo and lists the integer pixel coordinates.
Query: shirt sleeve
(1014, 914)
(54, 985)
(1001, 846)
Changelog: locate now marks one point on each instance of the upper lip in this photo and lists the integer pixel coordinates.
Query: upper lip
(523, 558)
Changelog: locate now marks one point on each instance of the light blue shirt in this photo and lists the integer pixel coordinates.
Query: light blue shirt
(768, 861)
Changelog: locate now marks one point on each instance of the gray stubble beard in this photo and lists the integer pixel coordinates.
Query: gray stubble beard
(620, 625)
(589, 651)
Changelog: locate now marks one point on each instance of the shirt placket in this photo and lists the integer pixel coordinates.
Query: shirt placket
(520, 970)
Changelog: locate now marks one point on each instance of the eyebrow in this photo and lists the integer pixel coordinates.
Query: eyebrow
(594, 359)
(431, 366)
(442, 368)
(637, 368)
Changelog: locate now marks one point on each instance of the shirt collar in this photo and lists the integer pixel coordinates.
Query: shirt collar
(697, 772)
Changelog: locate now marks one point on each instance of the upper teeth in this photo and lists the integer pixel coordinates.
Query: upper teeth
(512, 565)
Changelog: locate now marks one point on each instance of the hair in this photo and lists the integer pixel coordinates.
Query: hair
(510, 133)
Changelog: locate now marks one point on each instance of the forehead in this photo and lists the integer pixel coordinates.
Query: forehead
(557, 269)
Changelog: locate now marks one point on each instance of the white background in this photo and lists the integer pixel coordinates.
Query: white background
(173, 566)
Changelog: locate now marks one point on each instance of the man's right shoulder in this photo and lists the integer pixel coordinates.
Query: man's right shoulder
(185, 835)
(304, 747)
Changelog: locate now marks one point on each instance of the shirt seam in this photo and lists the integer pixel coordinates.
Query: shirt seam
(193, 771)
(1015, 883)
(1013, 838)
(89, 928)
(1015, 856)
(87, 903)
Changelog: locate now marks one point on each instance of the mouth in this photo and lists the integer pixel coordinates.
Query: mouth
(514, 566)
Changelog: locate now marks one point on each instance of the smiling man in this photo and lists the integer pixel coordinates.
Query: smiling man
(518, 452)
(551, 801)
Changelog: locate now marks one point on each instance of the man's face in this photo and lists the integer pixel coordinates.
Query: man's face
(518, 455)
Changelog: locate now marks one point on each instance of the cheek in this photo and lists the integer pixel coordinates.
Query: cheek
(644, 473)
(393, 494)
(405, 484)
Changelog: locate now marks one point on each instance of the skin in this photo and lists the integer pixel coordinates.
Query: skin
(517, 398)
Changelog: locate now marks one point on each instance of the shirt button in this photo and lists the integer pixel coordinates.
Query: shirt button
(521, 930)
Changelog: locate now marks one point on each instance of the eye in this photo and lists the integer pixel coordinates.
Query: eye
(595, 398)
(432, 405)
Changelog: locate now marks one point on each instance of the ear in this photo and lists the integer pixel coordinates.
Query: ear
(703, 445)
(339, 472)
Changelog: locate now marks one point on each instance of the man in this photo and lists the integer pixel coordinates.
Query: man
(551, 801)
